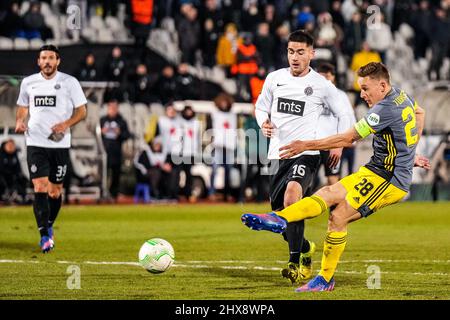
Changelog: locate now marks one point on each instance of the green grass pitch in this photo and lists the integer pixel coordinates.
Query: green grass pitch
(216, 256)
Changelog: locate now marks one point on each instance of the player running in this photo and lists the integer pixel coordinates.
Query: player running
(288, 109)
(55, 102)
(397, 122)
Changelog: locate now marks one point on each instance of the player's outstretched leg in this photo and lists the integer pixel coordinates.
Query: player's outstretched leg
(266, 221)
(306, 208)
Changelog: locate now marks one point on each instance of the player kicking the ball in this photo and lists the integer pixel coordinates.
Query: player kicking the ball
(55, 102)
(397, 122)
(288, 108)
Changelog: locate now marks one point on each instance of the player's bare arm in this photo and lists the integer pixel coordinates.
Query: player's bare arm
(21, 116)
(78, 115)
(420, 120)
(342, 140)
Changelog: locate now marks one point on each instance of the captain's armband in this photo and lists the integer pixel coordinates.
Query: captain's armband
(363, 128)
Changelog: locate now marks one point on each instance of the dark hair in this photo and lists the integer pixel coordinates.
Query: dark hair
(326, 68)
(374, 70)
(49, 47)
(224, 97)
(301, 36)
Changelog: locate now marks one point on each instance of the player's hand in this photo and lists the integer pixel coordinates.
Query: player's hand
(21, 127)
(334, 157)
(166, 167)
(422, 162)
(60, 127)
(292, 149)
(268, 129)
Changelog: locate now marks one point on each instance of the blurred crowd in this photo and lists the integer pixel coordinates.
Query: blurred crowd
(247, 38)
(176, 144)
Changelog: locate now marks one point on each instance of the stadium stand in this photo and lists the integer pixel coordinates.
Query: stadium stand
(331, 22)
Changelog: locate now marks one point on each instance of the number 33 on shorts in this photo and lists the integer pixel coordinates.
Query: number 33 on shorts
(367, 192)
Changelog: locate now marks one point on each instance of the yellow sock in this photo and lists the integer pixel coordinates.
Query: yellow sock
(308, 207)
(333, 247)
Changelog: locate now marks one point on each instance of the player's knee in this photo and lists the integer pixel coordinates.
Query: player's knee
(290, 198)
(40, 186)
(332, 195)
(54, 193)
(326, 194)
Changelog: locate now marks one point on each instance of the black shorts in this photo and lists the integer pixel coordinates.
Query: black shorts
(48, 162)
(336, 171)
(301, 169)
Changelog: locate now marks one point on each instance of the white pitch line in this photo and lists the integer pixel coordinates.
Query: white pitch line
(203, 266)
(343, 261)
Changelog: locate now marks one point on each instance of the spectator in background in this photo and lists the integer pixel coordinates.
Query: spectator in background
(11, 24)
(355, 34)
(88, 70)
(191, 146)
(187, 86)
(211, 11)
(401, 14)
(115, 67)
(189, 28)
(151, 166)
(379, 36)
(167, 85)
(246, 66)
(281, 42)
(141, 18)
(270, 17)
(440, 41)
(251, 16)
(329, 34)
(114, 130)
(304, 17)
(359, 59)
(336, 14)
(209, 43)
(34, 23)
(421, 21)
(257, 82)
(265, 44)
(12, 180)
(170, 129)
(224, 125)
(227, 47)
(142, 86)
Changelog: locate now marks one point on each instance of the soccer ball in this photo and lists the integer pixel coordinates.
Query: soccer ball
(156, 255)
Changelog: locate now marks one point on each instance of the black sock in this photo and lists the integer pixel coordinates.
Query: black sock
(305, 247)
(55, 205)
(41, 212)
(294, 236)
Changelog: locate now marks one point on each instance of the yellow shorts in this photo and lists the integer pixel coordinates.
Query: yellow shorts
(367, 192)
